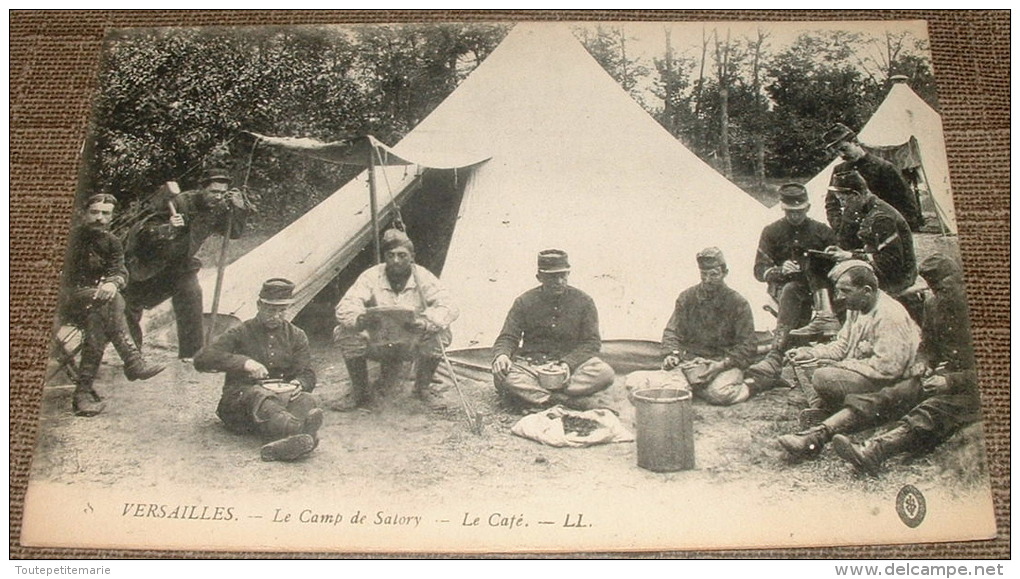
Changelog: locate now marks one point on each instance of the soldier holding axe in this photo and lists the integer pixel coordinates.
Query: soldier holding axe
(160, 253)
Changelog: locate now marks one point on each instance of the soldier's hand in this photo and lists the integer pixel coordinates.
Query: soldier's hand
(177, 220)
(236, 199)
(798, 354)
(838, 254)
(671, 361)
(105, 291)
(255, 369)
(501, 365)
(935, 384)
(713, 368)
(420, 324)
(790, 267)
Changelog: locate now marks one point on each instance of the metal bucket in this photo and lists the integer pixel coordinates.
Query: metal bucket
(665, 429)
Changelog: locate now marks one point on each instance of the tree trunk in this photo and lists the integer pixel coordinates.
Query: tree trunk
(669, 91)
(726, 163)
(759, 162)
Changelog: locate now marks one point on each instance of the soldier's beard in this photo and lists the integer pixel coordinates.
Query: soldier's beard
(398, 274)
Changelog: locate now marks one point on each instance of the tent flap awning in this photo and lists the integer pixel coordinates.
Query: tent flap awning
(357, 150)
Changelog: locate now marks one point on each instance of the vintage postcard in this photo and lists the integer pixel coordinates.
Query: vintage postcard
(512, 287)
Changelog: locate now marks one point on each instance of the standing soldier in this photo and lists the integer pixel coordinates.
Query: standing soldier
(94, 276)
(161, 255)
(883, 178)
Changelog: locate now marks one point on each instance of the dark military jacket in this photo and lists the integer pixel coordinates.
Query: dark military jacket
(714, 326)
(885, 181)
(782, 241)
(889, 244)
(547, 327)
(283, 351)
(94, 256)
(946, 339)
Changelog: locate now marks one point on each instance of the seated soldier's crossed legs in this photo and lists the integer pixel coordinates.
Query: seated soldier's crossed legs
(522, 381)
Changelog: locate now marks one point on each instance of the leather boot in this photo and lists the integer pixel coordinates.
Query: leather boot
(85, 402)
(357, 371)
(115, 327)
(424, 369)
(824, 322)
(868, 457)
(287, 449)
(135, 366)
(844, 421)
(766, 374)
(389, 374)
(806, 444)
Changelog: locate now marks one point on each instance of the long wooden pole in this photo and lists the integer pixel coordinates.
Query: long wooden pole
(221, 267)
(373, 202)
(221, 262)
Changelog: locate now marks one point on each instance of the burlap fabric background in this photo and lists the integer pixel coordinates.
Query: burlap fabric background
(54, 61)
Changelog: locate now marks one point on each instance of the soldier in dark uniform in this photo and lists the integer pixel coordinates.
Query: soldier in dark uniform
(797, 279)
(939, 404)
(161, 255)
(883, 239)
(554, 326)
(882, 177)
(94, 276)
(268, 387)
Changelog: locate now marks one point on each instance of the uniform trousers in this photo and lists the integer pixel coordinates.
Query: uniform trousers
(726, 388)
(830, 386)
(590, 377)
(185, 295)
(256, 410)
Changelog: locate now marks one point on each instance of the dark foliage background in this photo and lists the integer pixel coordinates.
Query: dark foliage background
(173, 101)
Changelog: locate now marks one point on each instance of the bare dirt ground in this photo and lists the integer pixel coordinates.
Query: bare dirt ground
(164, 431)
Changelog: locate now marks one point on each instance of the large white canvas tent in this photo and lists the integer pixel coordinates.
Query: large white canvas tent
(574, 163)
(906, 123)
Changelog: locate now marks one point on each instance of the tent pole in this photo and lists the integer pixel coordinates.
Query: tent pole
(373, 202)
(940, 215)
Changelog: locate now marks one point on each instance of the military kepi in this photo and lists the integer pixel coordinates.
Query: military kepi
(215, 174)
(277, 292)
(553, 261)
(710, 258)
(837, 134)
(848, 181)
(794, 197)
(937, 267)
